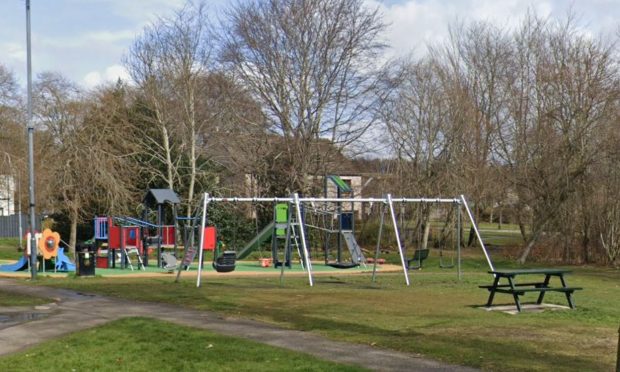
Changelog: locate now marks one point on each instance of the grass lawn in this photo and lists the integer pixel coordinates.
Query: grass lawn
(12, 299)
(127, 345)
(9, 248)
(436, 316)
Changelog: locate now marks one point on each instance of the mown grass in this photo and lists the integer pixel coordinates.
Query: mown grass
(13, 299)
(9, 248)
(437, 315)
(128, 345)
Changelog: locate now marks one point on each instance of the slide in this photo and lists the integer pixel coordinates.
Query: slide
(356, 252)
(20, 265)
(257, 241)
(63, 263)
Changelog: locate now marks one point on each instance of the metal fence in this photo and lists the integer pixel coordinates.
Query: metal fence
(9, 225)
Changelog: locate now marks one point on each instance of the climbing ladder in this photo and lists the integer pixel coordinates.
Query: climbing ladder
(294, 241)
(135, 250)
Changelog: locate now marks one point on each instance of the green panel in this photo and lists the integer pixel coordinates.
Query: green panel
(339, 182)
(281, 217)
(282, 213)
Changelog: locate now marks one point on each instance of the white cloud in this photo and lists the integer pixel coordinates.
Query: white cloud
(414, 24)
(14, 51)
(115, 72)
(104, 37)
(92, 79)
(110, 75)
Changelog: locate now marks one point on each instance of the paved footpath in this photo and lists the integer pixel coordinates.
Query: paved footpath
(73, 311)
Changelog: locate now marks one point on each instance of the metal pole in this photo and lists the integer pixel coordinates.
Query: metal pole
(302, 235)
(30, 125)
(334, 200)
(19, 212)
(159, 231)
(400, 247)
(374, 267)
(287, 242)
(473, 223)
(203, 222)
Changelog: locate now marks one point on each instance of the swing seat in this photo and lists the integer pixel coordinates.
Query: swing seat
(226, 262)
(419, 255)
(278, 263)
(169, 262)
(342, 265)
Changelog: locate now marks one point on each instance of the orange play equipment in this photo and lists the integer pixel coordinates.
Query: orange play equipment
(48, 244)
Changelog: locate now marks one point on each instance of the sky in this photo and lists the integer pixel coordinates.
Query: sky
(85, 40)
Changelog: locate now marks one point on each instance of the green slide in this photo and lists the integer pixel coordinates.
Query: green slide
(257, 241)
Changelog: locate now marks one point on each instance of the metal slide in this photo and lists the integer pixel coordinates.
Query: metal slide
(257, 241)
(356, 252)
(20, 265)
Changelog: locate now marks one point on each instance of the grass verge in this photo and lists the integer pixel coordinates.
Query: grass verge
(437, 315)
(127, 345)
(14, 299)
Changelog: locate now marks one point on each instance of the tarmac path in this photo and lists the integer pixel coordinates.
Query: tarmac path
(73, 311)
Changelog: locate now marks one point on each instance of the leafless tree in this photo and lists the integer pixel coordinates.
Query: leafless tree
(311, 65)
(82, 154)
(169, 62)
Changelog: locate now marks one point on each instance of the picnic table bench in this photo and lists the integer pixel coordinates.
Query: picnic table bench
(518, 289)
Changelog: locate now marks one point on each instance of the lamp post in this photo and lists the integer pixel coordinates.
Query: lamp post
(30, 124)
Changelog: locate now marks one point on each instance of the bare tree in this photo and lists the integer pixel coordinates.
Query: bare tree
(169, 63)
(85, 165)
(311, 64)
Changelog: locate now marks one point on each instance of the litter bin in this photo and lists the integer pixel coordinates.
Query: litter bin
(86, 255)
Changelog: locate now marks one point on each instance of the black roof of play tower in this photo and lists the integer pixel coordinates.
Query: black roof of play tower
(156, 197)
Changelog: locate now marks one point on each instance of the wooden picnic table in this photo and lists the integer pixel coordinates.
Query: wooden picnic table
(541, 286)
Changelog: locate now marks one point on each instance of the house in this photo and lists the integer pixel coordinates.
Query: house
(7, 198)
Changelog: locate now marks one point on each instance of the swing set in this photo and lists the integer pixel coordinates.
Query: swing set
(297, 231)
(449, 221)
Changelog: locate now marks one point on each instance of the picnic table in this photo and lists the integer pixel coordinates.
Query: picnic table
(541, 286)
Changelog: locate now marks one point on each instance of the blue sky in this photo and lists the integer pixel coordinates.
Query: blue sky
(86, 39)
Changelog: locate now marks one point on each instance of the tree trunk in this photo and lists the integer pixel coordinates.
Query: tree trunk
(73, 230)
(528, 247)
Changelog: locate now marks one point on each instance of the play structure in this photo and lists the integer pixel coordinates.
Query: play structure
(337, 223)
(48, 250)
(295, 234)
(283, 232)
(125, 240)
(334, 222)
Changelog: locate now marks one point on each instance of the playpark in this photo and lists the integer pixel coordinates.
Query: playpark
(318, 283)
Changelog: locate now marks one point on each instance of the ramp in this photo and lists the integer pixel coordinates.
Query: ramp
(20, 265)
(356, 252)
(257, 241)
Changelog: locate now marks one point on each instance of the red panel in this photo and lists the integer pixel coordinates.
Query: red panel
(167, 233)
(102, 262)
(114, 237)
(210, 238)
(132, 236)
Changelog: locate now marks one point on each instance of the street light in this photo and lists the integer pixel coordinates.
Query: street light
(30, 124)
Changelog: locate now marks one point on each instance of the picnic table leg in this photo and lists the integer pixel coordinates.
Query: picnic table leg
(569, 295)
(515, 295)
(545, 285)
(492, 291)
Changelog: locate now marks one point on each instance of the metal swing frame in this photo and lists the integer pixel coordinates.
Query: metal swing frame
(295, 201)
